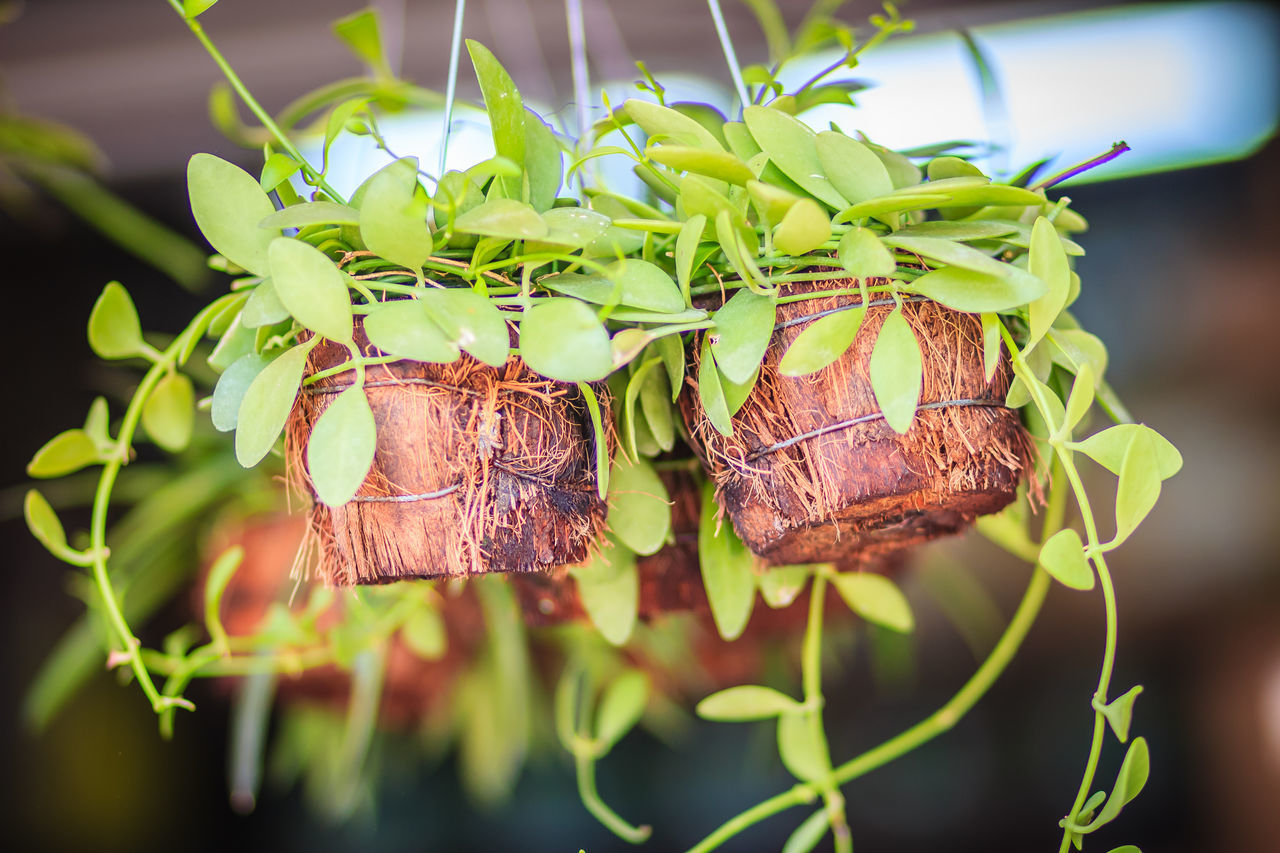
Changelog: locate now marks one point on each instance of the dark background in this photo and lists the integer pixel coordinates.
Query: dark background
(1180, 280)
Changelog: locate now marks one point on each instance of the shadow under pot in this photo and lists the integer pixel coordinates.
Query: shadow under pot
(476, 469)
(814, 473)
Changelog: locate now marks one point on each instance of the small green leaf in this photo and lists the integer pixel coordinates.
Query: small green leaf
(656, 407)
(968, 258)
(824, 341)
(170, 412)
(1082, 392)
(543, 163)
(660, 121)
(312, 288)
(1047, 261)
(792, 147)
(341, 447)
(639, 508)
(574, 227)
(1063, 557)
(803, 228)
(471, 321)
(741, 335)
(64, 454)
(747, 702)
(1125, 848)
(711, 391)
(424, 633)
(403, 328)
(897, 371)
(741, 257)
(562, 339)
(276, 170)
(959, 231)
(854, 169)
(720, 165)
(1119, 712)
(267, 403)
(215, 584)
(359, 31)
(505, 218)
(801, 747)
(645, 285)
(114, 331)
(229, 393)
(1139, 486)
(193, 9)
(228, 203)
(863, 255)
(975, 292)
(312, 213)
(728, 570)
(263, 307)
(1132, 777)
(781, 585)
(393, 219)
(876, 599)
(610, 590)
(505, 107)
(902, 171)
(621, 707)
(808, 834)
(671, 348)
(97, 423)
(687, 248)
(598, 433)
(1109, 447)
(990, 344)
(43, 523)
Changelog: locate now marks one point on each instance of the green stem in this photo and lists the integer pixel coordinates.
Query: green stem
(586, 767)
(252, 103)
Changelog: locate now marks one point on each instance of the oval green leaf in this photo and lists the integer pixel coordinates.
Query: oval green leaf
(610, 590)
(43, 523)
(114, 330)
(876, 599)
(403, 328)
(312, 288)
(897, 371)
(863, 255)
(639, 508)
(1062, 556)
(854, 169)
(393, 219)
(341, 447)
(63, 454)
(471, 321)
(621, 707)
(563, 339)
(720, 165)
(266, 405)
(228, 203)
(792, 147)
(975, 292)
(728, 570)
(747, 702)
(825, 340)
(170, 412)
(229, 393)
(741, 335)
(505, 218)
(803, 228)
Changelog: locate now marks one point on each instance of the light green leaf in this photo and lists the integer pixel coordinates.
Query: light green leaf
(1139, 486)
(312, 213)
(359, 31)
(97, 424)
(671, 348)
(276, 170)
(990, 344)
(744, 326)
(959, 231)
(424, 633)
(711, 391)
(312, 288)
(341, 447)
(506, 110)
(610, 591)
(803, 228)
(1063, 557)
(1082, 392)
(1109, 447)
(741, 257)
(975, 292)
(393, 220)
(863, 255)
(404, 328)
(337, 122)
(854, 169)
(801, 747)
(43, 523)
(701, 196)
(1047, 261)
(951, 167)
(728, 570)
(1008, 529)
(1132, 777)
(169, 414)
(655, 405)
(645, 285)
(562, 339)
(215, 585)
(237, 341)
(825, 340)
(720, 165)
(574, 227)
(902, 171)
(781, 585)
(543, 162)
(772, 202)
(114, 331)
(876, 599)
(598, 433)
(808, 834)
(687, 248)
(965, 257)
(193, 9)
(471, 321)
(266, 404)
(736, 393)
(229, 393)
(621, 707)
(897, 371)
(639, 508)
(1119, 712)
(228, 203)
(747, 702)
(792, 147)
(1073, 348)
(505, 218)
(740, 141)
(659, 121)
(263, 307)
(64, 454)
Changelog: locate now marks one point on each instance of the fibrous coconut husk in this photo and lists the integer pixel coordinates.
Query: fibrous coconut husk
(477, 469)
(802, 484)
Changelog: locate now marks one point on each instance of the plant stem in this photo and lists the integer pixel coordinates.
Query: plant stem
(730, 55)
(1116, 150)
(586, 767)
(451, 86)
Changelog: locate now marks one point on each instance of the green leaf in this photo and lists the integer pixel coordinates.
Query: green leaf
(97, 424)
(43, 523)
(808, 834)
(671, 348)
(1125, 848)
(876, 599)
(687, 248)
(966, 257)
(863, 255)
(975, 292)
(229, 393)
(64, 454)
(1008, 529)
(656, 406)
(854, 169)
(404, 328)
(792, 147)
(601, 445)
(610, 591)
(720, 165)
(659, 121)
(471, 321)
(1047, 261)
(902, 171)
(747, 702)
(424, 633)
(990, 345)
(801, 747)
(215, 585)
(1073, 348)
(741, 335)
(542, 162)
(228, 203)
(959, 231)
(312, 213)
(781, 585)
(1133, 774)
(1139, 486)
(1063, 557)
(393, 220)
(951, 167)
(193, 9)
(505, 107)
(170, 412)
(897, 371)
(728, 570)
(312, 288)
(803, 228)
(711, 391)
(825, 340)
(736, 393)
(114, 331)
(359, 31)
(266, 405)
(562, 339)
(505, 218)
(263, 307)
(237, 341)
(621, 707)
(1109, 448)
(645, 285)
(772, 202)
(639, 508)
(574, 227)
(341, 447)
(1119, 712)
(1082, 392)
(276, 170)
(741, 257)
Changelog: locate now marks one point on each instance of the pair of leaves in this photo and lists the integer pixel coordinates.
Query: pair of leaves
(1143, 459)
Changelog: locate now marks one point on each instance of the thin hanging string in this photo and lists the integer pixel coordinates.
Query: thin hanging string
(730, 56)
(455, 48)
(578, 64)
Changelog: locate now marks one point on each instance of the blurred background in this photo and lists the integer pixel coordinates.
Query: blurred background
(1180, 280)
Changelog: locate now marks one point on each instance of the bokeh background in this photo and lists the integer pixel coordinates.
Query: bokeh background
(1180, 280)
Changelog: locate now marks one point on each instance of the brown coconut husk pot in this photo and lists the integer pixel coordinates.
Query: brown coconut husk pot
(813, 473)
(413, 688)
(477, 469)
